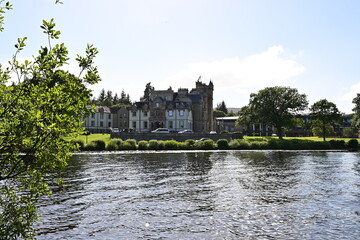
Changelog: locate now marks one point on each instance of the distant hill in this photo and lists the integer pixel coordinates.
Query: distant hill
(233, 110)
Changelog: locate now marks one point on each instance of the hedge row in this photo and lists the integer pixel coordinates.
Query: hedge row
(223, 144)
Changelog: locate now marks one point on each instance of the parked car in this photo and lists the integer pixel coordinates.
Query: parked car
(161, 130)
(115, 130)
(186, 131)
(202, 139)
(213, 132)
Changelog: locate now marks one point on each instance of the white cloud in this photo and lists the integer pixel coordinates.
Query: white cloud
(258, 70)
(351, 92)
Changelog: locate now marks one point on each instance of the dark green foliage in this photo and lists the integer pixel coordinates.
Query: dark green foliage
(323, 113)
(223, 144)
(337, 144)
(143, 145)
(190, 144)
(129, 144)
(96, 145)
(153, 144)
(353, 144)
(41, 104)
(274, 106)
(205, 145)
(79, 143)
(171, 145)
(243, 144)
(114, 144)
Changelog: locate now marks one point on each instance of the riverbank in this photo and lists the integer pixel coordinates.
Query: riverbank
(100, 142)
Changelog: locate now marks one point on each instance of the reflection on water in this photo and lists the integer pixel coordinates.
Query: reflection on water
(206, 195)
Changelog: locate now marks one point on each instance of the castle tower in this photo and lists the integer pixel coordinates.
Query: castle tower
(203, 108)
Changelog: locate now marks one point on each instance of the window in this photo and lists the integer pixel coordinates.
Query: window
(101, 115)
(109, 116)
(157, 113)
(170, 124)
(170, 113)
(101, 124)
(134, 124)
(145, 125)
(157, 105)
(93, 123)
(134, 114)
(109, 124)
(181, 122)
(145, 114)
(93, 115)
(181, 112)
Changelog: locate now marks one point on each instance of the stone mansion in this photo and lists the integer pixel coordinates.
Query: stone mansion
(176, 111)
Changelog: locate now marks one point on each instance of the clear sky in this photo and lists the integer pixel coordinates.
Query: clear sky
(241, 45)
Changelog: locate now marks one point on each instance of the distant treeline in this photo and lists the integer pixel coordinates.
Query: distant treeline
(109, 99)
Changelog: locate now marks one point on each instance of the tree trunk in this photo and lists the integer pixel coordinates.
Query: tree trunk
(324, 132)
(280, 132)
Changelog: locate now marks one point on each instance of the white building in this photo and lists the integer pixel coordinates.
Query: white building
(99, 121)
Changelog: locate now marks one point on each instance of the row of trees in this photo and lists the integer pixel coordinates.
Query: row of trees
(280, 106)
(107, 98)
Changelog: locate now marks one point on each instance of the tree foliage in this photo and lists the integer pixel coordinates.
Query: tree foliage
(355, 121)
(274, 106)
(222, 107)
(324, 113)
(107, 98)
(147, 91)
(38, 109)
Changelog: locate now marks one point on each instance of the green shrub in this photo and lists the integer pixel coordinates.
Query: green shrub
(114, 144)
(259, 145)
(80, 143)
(161, 145)
(142, 145)
(96, 145)
(234, 144)
(222, 144)
(316, 145)
(190, 144)
(244, 144)
(205, 145)
(153, 144)
(129, 144)
(353, 144)
(171, 145)
(183, 146)
(337, 144)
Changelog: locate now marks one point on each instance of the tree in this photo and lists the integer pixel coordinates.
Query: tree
(218, 113)
(355, 121)
(147, 91)
(275, 106)
(43, 106)
(102, 97)
(323, 113)
(222, 107)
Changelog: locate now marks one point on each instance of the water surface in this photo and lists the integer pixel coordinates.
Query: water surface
(206, 195)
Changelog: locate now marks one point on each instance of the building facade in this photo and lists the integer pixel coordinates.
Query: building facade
(100, 121)
(176, 111)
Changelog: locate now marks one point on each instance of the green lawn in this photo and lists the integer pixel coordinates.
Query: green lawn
(99, 136)
(300, 138)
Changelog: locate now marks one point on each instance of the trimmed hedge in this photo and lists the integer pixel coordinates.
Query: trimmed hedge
(222, 144)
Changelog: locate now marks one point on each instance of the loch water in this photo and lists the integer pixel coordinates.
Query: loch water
(206, 195)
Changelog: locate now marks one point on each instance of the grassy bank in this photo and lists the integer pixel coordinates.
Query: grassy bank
(99, 142)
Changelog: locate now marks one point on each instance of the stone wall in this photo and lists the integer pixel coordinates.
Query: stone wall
(180, 137)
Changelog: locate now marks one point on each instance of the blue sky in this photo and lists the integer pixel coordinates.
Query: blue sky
(242, 46)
